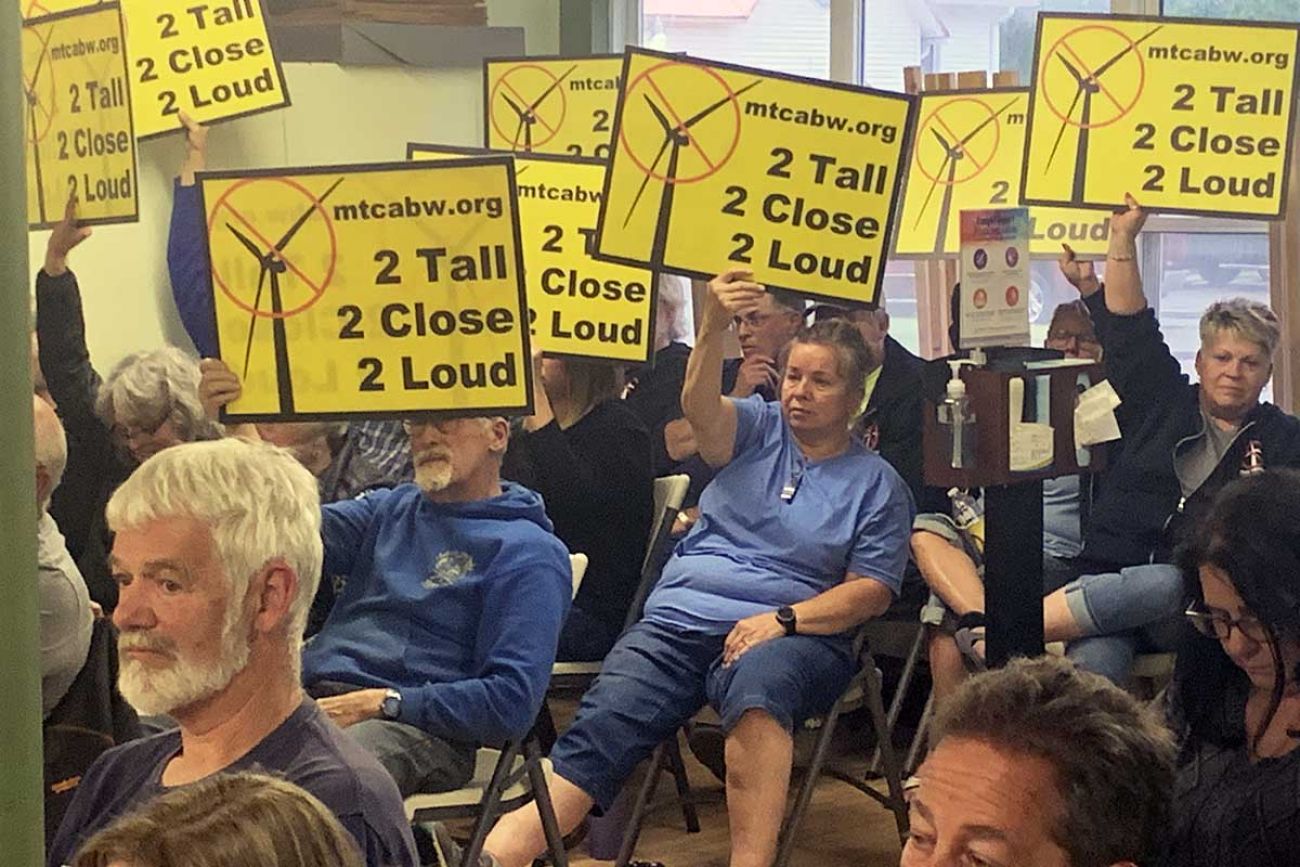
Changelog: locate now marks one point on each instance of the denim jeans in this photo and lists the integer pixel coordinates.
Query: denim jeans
(1123, 613)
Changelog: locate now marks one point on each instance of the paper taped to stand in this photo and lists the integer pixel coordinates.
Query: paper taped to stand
(1094, 416)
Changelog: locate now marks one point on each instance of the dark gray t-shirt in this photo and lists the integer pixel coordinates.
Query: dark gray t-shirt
(1196, 462)
(307, 749)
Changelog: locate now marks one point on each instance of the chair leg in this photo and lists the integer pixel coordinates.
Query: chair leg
(488, 806)
(900, 692)
(545, 809)
(785, 848)
(633, 831)
(885, 738)
(922, 734)
(685, 797)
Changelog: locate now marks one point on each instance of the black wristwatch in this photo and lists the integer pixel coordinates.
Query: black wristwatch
(391, 707)
(785, 617)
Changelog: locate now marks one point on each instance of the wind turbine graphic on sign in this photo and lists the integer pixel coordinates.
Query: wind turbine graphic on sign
(1088, 85)
(526, 111)
(678, 138)
(273, 266)
(41, 94)
(956, 148)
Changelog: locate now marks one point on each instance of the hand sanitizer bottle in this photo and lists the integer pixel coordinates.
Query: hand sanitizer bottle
(957, 421)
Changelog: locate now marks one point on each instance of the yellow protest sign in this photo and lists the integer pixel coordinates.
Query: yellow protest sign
(41, 8)
(578, 306)
(718, 166)
(553, 105)
(968, 154)
(211, 60)
(1189, 116)
(370, 290)
(77, 122)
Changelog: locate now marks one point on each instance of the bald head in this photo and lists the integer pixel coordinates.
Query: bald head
(51, 450)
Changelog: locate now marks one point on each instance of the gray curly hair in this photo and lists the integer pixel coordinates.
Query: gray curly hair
(146, 389)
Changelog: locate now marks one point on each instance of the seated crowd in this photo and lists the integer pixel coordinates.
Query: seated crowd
(317, 620)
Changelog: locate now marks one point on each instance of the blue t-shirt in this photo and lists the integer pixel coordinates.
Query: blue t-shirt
(307, 750)
(752, 552)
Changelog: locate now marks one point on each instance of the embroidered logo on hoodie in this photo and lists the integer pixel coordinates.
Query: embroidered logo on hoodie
(450, 567)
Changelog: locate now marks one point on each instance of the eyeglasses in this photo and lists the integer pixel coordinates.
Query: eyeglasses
(1220, 626)
(1081, 336)
(128, 432)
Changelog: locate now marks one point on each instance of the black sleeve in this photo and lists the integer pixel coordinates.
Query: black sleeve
(65, 360)
(1138, 361)
(657, 400)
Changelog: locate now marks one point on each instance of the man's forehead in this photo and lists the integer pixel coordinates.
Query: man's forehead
(172, 539)
(976, 784)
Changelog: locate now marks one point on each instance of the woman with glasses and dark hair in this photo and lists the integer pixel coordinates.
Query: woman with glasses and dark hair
(1236, 694)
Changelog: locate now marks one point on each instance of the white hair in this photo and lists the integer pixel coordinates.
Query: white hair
(51, 445)
(675, 320)
(146, 389)
(260, 504)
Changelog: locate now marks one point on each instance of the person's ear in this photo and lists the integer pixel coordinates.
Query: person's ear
(499, 433)
(277, 588)
(43, 483)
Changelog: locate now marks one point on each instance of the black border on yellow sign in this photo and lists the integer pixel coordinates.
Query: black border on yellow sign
(535, 58)
(525, 361)
(1197, 212)
(134, 216)
(895, 196)
(279, 71)
(907, 170)
(413, 148)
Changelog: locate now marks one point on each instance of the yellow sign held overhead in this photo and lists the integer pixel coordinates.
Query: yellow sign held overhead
(968, 154)
(551, 105)
(41, 8)
(718, 166)
(370, 290)
(77, 122)
(1189, 116)
(211, 60)
(579, 306)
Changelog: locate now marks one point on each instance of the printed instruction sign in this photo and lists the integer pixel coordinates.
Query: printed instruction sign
(578, 306)
(967, 153)
(77, 121)
(552, 105)
(1189, 116)
(994, 278)
(211, 60)
(370, 290)
(718, 166)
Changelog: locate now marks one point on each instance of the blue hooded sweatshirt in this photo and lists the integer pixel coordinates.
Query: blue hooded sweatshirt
(456, 605)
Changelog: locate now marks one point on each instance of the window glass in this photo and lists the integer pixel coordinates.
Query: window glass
(1196, 269)
(1235, 10)
(792, 36)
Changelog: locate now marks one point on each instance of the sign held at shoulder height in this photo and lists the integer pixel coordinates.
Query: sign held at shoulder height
(551, 105)
(211, 60)
(77, 121)
(1188, 116)
(578, 306)
(372, 290)
(718, 166)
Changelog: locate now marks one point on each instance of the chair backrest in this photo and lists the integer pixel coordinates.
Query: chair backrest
(669, 494)
(578, 564)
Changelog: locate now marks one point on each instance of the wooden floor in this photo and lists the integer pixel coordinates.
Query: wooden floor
(842, 828)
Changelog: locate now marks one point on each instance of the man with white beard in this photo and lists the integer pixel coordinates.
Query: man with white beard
(217, 557)
(444, 633)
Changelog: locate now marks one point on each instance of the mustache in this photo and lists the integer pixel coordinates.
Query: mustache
(433, 454)
(143, 641)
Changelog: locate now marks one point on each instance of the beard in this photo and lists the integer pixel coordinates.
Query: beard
(433, 471)
(180, 682)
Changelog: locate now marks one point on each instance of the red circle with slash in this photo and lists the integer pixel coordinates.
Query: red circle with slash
(318, 291)
(933, 117)
(502, 82)
(712, 167)
(1061, 45)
